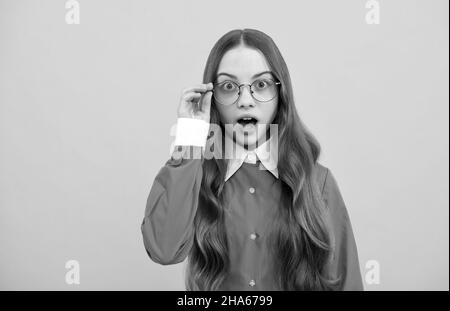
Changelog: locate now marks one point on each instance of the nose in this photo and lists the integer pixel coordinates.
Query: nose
(245, 97)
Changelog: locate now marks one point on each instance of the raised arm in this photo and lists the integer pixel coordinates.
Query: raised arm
(168, 224)
(167, 227)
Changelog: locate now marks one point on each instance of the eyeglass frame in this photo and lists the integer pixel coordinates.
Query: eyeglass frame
(239, 92)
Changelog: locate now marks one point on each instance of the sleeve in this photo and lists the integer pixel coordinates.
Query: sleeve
(191, 132)
(344, 264)
(168, 224)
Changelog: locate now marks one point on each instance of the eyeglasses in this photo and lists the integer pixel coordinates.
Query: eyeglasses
(228, 92)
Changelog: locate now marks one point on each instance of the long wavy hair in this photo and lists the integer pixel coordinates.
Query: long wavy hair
(300, 234)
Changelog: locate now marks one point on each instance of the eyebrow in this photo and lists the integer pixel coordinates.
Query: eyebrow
(234, 77)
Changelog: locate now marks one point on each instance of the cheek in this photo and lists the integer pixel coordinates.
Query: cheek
(271, 111)
(225, 114)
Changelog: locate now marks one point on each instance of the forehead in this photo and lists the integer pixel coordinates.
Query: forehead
(243, 62)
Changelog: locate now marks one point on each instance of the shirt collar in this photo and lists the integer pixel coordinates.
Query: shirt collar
(266, 153)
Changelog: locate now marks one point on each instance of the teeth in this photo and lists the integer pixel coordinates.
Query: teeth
(247, 118)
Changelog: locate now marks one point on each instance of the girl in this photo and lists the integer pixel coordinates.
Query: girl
(259, 218)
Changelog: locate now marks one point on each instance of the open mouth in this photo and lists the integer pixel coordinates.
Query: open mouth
(247, 121)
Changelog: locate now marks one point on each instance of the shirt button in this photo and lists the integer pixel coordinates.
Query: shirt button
(253, 236)
(251, 190)
(252, 283)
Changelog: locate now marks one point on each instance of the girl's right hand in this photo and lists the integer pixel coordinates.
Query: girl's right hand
(195, 102)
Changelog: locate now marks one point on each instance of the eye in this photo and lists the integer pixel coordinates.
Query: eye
(262, 84)
(227, 86)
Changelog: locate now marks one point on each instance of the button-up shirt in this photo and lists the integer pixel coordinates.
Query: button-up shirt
(252, 196)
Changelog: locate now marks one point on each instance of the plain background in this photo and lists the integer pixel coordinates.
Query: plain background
(86, 112)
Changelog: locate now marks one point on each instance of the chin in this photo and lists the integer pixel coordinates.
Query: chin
(249, 141)
(246, 142)
(248, 137)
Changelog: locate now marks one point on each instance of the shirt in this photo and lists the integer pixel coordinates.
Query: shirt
(251, 197)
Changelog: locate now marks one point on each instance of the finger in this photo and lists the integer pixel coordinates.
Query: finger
(190, 96)
(198, 88)
(206, 102)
